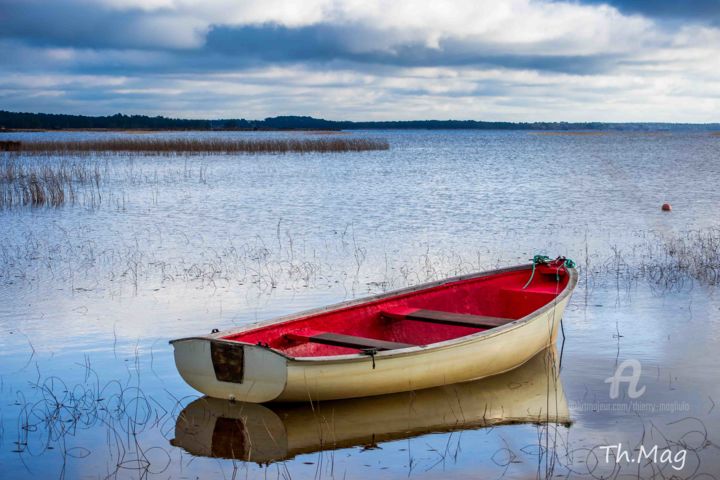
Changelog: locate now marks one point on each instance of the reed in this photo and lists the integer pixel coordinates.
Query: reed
(696, 254)
(166, 146)
(45, 183)
(667, 262)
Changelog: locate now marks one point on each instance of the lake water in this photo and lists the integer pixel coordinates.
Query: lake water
(169, 246)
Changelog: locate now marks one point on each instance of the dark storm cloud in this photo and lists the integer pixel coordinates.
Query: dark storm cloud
(79, 24)
(89, 27)
(704, 11)
(327, 42)
(62, 24)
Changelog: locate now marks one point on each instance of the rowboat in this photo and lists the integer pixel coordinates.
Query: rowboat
(454, 330)
(211, 427)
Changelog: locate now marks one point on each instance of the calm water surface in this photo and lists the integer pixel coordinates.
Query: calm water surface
(91, 292)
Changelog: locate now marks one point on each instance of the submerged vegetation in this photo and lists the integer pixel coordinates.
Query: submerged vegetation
(664, 262)
(669, 261)
(165, 146)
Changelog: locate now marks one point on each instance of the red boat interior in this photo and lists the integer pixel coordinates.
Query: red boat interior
(421, 317)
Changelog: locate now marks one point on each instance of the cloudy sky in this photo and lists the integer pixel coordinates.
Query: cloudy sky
(518, 60)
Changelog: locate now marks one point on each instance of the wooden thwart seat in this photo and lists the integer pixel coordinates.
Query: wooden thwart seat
(349, 341)
(447, 318)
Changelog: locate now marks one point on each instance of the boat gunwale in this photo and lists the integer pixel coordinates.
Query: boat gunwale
(400, 352)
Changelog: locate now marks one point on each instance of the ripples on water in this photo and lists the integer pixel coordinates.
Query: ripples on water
(90, 293)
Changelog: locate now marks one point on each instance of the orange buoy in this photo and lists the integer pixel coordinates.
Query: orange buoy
(666, 207)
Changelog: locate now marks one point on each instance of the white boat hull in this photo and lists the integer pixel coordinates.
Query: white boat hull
(269, 375)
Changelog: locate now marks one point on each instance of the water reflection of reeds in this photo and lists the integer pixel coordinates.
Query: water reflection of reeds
(54, 415)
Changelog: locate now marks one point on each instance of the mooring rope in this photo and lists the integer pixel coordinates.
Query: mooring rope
(545, 260)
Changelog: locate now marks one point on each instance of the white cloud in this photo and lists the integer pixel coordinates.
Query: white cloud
(156, 63)
(520, 26)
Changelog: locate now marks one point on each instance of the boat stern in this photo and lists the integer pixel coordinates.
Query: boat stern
(231, 370)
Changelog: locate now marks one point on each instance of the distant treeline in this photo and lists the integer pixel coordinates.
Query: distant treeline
(47, 121)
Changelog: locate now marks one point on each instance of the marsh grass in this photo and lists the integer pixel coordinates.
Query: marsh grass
(56, 173)
(667, 262)
(697, 255)
(167, 146)
(50, 183)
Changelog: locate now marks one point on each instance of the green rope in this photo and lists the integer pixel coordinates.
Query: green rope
(542, 260)
(537, 259)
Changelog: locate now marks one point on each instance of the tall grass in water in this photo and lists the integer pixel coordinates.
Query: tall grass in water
(695, 254)
(669, 262)
(45, 183)
(167, 146)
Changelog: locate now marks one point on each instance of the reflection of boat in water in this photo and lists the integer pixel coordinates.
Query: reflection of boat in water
(265, 433)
